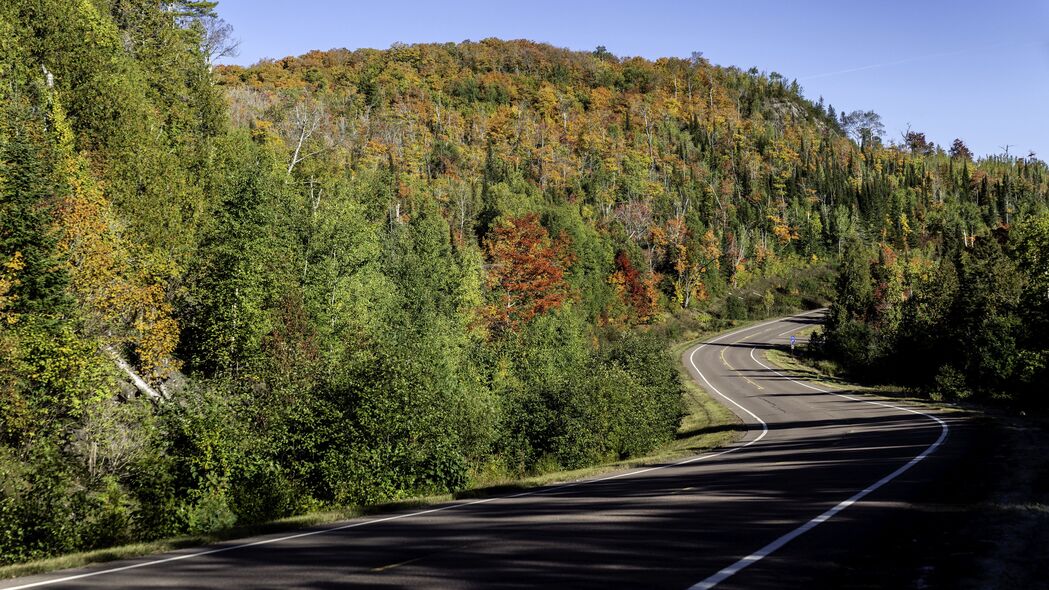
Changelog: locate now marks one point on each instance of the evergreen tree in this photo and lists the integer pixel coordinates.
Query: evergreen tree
(853, 288)
(27, 200)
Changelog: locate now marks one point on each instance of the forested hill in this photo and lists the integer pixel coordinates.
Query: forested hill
(633, 144)
(234, 294)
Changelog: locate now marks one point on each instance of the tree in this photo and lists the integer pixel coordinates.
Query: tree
(960, 151)
(304, 121)
(864, 126)
(26, 206)
(854, 292)
(917, 144)
(640, 293)
(984, 316)
(602, 53)
(526, 271)
(216, 39)
(1029, 247)
(119, 301)
(246, 258)
(692, 254)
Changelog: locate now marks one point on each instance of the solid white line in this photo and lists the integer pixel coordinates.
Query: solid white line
(772, 547)
(764, 426)
(431, 510)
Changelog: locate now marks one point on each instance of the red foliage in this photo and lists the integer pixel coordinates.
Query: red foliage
(526, 271)
(640, 293)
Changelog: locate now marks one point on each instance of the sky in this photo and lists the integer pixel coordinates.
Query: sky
(978, 70)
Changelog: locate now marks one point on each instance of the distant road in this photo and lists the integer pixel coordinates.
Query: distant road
(816, 476)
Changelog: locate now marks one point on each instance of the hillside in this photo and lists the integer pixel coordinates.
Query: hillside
(235, 294)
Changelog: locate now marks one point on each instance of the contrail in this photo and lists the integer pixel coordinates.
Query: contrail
(914, 59)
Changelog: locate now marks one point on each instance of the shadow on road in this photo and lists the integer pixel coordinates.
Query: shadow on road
(667, 529)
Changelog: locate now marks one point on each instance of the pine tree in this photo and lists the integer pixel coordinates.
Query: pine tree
(854, 291)
(26, 204)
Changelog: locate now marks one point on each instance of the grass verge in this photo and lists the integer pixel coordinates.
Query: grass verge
(796, 366)
(706, 425)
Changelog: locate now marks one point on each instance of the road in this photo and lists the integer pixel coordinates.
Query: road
(815, 477)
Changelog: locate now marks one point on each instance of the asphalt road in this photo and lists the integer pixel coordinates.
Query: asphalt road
(815, 477)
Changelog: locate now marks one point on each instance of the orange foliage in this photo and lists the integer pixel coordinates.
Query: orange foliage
(527, 270)
(640, 293)
(9, 279)
(781, 230)
(122, 301)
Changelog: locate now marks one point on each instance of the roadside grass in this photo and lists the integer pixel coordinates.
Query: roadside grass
(706, 425)
(798, 366)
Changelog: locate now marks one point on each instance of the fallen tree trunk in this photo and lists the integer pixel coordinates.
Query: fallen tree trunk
(139, 383)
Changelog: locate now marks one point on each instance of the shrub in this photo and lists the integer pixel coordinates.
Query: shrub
(950, 385)
(736, 308)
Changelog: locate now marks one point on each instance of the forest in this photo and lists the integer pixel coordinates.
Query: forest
(233, 294)
(969, 324)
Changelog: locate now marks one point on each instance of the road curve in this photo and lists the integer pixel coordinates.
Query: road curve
(815, 474)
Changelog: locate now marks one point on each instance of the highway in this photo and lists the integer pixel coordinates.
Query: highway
(815, 477)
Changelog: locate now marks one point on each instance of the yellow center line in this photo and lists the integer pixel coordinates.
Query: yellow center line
(723, 359)
(398, 564)
(731, 368)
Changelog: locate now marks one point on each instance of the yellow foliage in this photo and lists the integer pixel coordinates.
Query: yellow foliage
(600, 99)
(8, 280)
(121, 300)
(783, 232)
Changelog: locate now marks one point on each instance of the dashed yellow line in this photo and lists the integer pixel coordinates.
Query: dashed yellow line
(723, 359)
(398, 564)
(731, 368)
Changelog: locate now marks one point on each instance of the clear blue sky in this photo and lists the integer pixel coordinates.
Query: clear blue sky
(978, 70)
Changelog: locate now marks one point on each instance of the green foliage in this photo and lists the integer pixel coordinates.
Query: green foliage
(736, 308)
(243, 263)
(977, 317)
(350, 277)
(854, 293)
(949, 385)
(64, 372)
(26, 206)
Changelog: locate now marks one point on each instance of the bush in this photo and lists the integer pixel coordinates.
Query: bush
(950, 385)
(736, 308)
(851, 344)
(208, 510)
(40, 506)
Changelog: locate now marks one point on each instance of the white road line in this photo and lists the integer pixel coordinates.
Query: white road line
(775, 545)
(431, 510)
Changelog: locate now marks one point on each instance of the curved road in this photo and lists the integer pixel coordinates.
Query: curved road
(816, 476)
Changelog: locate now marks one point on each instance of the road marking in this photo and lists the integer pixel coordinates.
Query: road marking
(722, 355)
(775, 545)
(390, 566)
(794, 329)
(692, 361)
(752, 382)
(731, 368)
(356, 524)
(380, 569)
